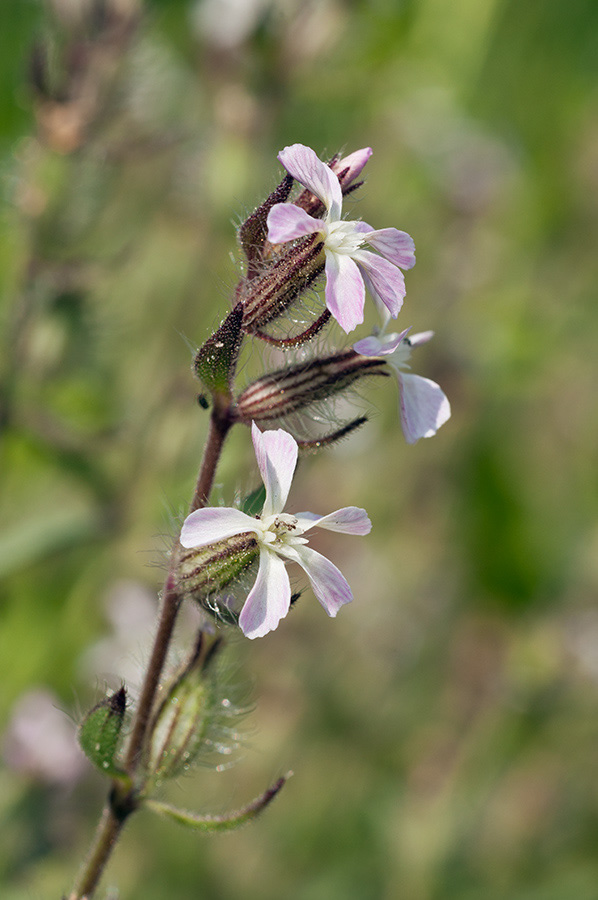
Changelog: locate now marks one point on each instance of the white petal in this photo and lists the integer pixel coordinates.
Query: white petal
(276, 454)
(422, 337)
(287, 222)
(424, 407)
(302, 163)
(206, 526)
(384, 314)
(328, 583)
(345, 290)
(269, 599)
(348, 520)
(384, 280)
(397, 246)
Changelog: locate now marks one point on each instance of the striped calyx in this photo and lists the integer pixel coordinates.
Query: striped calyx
(291, 389)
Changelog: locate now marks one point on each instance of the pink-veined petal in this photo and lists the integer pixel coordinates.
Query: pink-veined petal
(352, 165)
(424, 407)
(370, 346)
(348, 520)
(287, 222)
(212, 524)
(373, 346)
(345, 290)
(276, 454)
(328, 583)
(396, 246)
(384, 280)
(303, 164)
(269, 599)
(391, 342)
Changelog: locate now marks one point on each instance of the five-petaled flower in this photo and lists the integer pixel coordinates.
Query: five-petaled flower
(349, 267)
(423, 405)
(280, 538)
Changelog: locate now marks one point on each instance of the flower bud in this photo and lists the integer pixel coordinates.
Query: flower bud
(100, 731)
(350, 167)
(288, 390)
(347, 170)
(215, 362)
(182, 721)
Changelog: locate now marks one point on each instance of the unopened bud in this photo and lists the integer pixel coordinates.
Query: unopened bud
(100, 731)
(347, 170)
(182, 721)
(350, 167)
(215, 362)
(288, 390)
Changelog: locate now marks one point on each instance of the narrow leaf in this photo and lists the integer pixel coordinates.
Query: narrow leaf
(226, 822)
(253, 503)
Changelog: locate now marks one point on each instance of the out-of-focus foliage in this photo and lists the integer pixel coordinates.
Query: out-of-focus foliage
(443, 730)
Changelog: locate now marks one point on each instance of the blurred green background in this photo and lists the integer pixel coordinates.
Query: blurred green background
(443, 729)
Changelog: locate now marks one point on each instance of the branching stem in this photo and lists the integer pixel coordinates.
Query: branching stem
(119, 806)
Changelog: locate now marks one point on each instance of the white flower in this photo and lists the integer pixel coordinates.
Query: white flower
(349, 267)
(423, 405)
(280, 538)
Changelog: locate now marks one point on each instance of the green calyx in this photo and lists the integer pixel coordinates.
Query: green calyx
(206, 571)
(100, 731)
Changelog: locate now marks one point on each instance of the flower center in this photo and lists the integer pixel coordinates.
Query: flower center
(398, 358)
(401, 355)
(280, 528)
(342, 237)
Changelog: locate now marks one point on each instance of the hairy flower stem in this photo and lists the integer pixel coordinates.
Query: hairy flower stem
(122, 800)
(220, 423)
(170, 606)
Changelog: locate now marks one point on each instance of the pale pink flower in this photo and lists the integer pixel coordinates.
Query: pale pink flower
(423, 406)
(349, 268)
(41, 740)
(280, 538)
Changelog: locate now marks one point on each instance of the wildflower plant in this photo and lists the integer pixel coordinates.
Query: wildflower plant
(232, 561)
